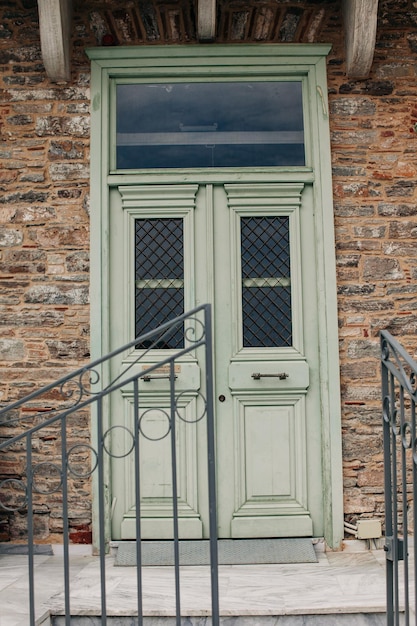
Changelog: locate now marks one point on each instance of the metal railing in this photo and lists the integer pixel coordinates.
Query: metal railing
(399, 396)
(48, 415)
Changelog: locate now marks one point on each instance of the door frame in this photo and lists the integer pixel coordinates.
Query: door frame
(304, 61)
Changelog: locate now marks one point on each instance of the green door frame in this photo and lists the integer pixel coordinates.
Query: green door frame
(233, 62)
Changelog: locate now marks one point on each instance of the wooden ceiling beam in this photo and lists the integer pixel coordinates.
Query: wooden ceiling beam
(360, 22)
(55, 33)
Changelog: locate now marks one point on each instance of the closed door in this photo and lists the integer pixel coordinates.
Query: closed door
(248, 250)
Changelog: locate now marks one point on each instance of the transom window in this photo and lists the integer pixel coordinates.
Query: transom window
(219, 124)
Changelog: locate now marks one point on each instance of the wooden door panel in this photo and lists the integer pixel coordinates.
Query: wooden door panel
(270, 473)
(156, 473)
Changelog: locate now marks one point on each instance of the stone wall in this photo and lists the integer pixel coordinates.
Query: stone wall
(44, 204)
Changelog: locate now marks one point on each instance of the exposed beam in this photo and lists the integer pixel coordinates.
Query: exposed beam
(206, 20)
(55, 32)
(360, 18)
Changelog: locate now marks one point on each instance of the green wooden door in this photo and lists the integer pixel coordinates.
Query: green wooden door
(246, 248)
(211, 145)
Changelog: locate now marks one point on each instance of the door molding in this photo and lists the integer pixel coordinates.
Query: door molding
(203, 62)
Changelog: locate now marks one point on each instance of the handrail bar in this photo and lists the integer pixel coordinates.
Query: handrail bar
(166, 326)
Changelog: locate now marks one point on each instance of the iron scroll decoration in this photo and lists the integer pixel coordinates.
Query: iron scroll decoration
(390, 411)
(79, 389)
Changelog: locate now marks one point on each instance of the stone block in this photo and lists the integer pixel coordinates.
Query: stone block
(380, 268)
(77, 349)
(69, 171)
(50, 294)
(10, 237)
(12, 350)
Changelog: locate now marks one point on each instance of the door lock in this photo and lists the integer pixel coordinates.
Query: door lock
(222, 398)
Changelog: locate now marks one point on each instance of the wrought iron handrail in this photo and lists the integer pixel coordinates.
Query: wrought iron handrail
(89, 386)
(399, 397)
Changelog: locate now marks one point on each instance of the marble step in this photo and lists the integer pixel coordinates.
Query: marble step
(343, 619)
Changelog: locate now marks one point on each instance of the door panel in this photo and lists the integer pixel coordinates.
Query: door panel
(240, 249)
(270, 474)
(156, 476)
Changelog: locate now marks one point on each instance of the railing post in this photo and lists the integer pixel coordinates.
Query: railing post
(214, 564)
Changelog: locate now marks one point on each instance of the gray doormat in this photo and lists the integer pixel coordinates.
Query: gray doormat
(231, 552)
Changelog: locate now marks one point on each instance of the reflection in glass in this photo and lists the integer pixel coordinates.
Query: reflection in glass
(257, 124)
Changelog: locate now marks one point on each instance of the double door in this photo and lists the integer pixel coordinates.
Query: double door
(248, 249)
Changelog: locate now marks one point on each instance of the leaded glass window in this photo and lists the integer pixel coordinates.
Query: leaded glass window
(159, 277)
(266, 282)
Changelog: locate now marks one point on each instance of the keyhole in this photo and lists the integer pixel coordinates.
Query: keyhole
(222, 398)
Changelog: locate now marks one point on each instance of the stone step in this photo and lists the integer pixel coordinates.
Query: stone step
(345, 619)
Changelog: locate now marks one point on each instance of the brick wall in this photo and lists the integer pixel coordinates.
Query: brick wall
(44, 205)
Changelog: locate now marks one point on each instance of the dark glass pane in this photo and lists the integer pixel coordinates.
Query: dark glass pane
(209, 125)
(159, 276)
(266, 282)
(266, 317)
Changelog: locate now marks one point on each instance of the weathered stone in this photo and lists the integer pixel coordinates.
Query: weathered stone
(69, 171)
(351, 189)
(33, 214)
(366, 305)
(75, 126)
(403, 229)
(379, 88)
(396, 325)
(22, 53)
(66, 150)
(351, 290)
(19, 120)
(78, 262)
(10, 237)
(22, 268)
(69, 194)
(7, 176)
(77, 349)
(363, 348)
(49, 294)
(351, 260)
(400, 249)
(35, 177)
(353, 106)
(369, 232)
(12, 349)
(380, 268)
(368, 245)
(400, 210)
(402, 188)
(25, 196)
(360, 370)
(344, 171)
(358, 138)
(58, 237)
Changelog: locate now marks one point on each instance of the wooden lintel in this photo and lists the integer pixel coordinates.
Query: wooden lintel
(55, 33)
(206, 20)
(360, 19)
